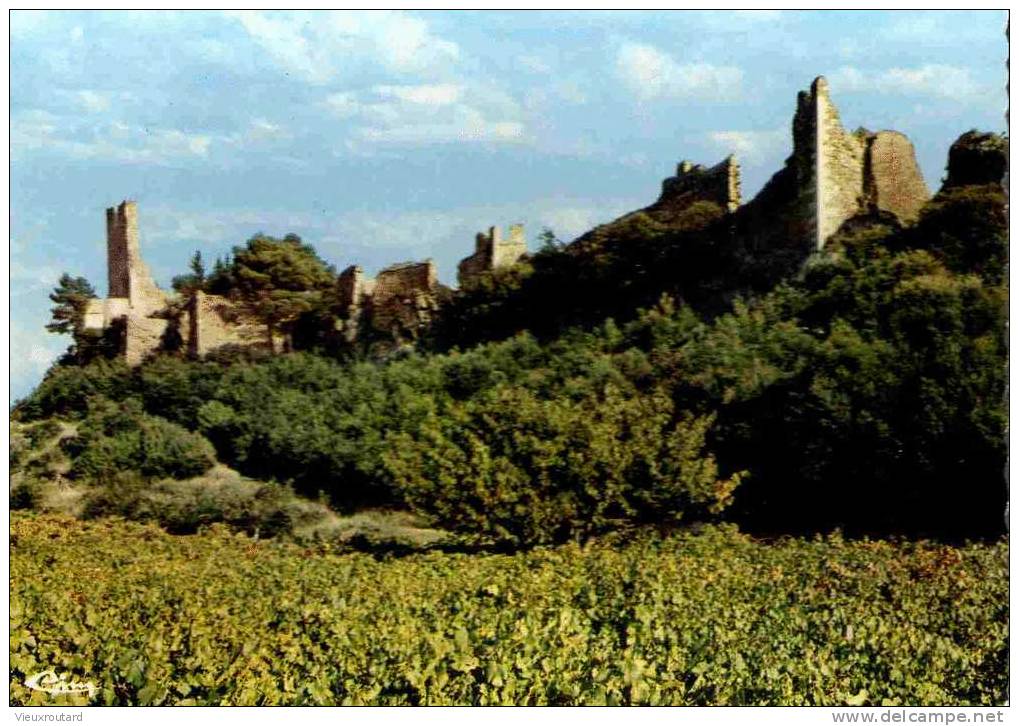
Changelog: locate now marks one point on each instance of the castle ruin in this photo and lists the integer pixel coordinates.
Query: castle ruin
(831, 177)
(492, 252)
(133, 295)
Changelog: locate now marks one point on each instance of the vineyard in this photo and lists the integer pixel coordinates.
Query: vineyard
(703, 617)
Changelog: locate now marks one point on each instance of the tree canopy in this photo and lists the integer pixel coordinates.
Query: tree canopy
(71, 296)
(278, 280)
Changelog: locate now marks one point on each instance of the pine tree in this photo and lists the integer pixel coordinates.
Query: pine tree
(71, 296)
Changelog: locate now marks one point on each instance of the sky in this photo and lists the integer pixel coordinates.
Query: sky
(381, 137)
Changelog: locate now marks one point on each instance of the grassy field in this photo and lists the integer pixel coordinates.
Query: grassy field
(707, 617)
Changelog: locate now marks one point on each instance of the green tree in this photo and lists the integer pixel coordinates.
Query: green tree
(279, 280)
(195, 279)
(71, 296)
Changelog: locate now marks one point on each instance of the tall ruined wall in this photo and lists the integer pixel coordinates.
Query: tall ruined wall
(831, 177)
(133, 294)
(510, 250)
(840, 162)
(121, 235)
(129, 276)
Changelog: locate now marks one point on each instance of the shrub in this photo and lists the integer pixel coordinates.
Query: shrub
(120, 437)
(516, 469)
(67, 389)
(264, 509)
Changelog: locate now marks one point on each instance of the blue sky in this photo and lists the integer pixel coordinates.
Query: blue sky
(387, 136)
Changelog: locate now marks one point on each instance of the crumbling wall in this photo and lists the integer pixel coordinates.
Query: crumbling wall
(133, 294)
(492, 252)
(840, 162)
(129, 276)
(354, 290)
(831, 177)
(894, 182)
(214, 321)
(719, 184)
(404, 298)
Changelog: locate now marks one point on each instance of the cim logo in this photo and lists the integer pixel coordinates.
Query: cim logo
(50, 682)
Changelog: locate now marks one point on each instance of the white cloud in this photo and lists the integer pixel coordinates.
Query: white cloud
(426, 114)
(651, 73)
(942, 81)
(321, 46)
(750, 146)
(534, 64)
(92, 101)
(112, 141)
(427, 95)
(32, 353)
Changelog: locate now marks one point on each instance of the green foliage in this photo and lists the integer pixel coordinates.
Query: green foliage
(195, 279)
(263, 509)
(609, 272)
(706, 618)
(277, 279)
(71, 296)
(967, 229)
(121, 437)
(513, 468)
(857, 393)
(66, 389)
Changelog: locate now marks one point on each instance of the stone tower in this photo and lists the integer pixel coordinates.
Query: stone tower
(134, 298)
(129, 276)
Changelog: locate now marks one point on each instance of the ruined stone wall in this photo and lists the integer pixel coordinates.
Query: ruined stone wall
(894, 182)
(354, 286)
(118, 252)
(840, 163)
(214, 321)
(831, 177)
(404, 298)
(719, 184)
(492, 252)
(129, 276)
(133, 294)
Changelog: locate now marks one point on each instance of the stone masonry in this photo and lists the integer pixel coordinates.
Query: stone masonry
(133, 295)
(719, 184)
(404, 299)
(491, 252)
(851, 174)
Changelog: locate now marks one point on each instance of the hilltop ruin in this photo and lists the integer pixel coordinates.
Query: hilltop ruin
(831, 178)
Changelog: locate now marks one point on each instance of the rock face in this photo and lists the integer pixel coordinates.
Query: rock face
(491, 252)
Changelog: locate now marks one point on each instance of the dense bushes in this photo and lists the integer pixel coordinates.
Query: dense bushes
(859, 394)
(122, 438)
(512, 467)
